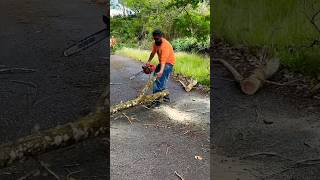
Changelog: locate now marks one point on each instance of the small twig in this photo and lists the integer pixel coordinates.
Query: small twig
(31, 173)
(177, 174)
(266, 154)
(167, 150)
(145, 107)
(308, 162)
(49, 170)
(71, 165)
(71, 173)
(149, 124)
(302, 163)
(237, 76)
(189, 110)
(116, 83)
(25, 83)
(281, 84)
(129, 119)
(16, 70)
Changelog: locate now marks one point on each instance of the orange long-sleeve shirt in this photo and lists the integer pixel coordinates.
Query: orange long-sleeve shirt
(165, 52)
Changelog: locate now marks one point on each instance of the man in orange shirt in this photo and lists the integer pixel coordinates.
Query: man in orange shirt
(167, 59)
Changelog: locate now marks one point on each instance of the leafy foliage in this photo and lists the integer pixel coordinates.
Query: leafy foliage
(177, 19)
(191, 45)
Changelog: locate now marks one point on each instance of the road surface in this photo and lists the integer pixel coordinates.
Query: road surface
(263, 136)
(33, 35)
(158, 142)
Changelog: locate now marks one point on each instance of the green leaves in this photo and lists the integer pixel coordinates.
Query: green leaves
(177, 19)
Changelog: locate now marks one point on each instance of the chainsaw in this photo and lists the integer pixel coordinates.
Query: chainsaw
(146, 69)
(89, 40)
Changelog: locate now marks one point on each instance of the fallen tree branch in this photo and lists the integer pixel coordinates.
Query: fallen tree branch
(138, 101)
(90, 126)
(147, 86)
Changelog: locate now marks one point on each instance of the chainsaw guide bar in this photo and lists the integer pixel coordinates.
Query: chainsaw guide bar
(86, 42)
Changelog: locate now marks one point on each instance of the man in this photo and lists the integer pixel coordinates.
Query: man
(113, 43)
(167, 59)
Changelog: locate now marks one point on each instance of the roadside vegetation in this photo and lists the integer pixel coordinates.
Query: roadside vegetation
(187, 64)
(185, 23)
(290, 27)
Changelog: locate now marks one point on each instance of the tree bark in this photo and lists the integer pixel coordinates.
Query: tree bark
(90, 126)
(139, 100)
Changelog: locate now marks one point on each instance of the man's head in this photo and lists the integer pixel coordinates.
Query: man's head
(157, 36)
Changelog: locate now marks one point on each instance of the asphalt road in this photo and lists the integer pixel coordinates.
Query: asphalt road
(158, 142)
(264, 136)
(33, 35)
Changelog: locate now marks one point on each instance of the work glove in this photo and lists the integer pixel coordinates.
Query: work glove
(159, 74)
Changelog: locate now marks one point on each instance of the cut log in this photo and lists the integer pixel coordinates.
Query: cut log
(255, 81)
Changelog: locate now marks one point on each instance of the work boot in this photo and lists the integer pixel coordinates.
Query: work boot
(154, 104)
(166, 99)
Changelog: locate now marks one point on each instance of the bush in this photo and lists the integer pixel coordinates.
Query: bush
(191, 45)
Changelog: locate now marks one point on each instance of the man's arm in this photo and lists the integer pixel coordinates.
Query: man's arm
(151, 56)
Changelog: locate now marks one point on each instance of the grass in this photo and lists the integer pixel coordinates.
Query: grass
(280, 24)
(187, 64)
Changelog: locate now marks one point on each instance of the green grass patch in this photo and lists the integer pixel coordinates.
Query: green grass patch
(187, 64)
(279, 24)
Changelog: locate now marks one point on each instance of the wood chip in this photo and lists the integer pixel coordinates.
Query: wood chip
(198, 157)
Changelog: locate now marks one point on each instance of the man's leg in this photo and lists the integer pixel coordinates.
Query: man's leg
(167, 72)
(160, 83)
